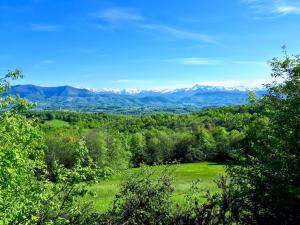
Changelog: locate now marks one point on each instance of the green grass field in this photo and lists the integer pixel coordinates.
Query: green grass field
(183, 177)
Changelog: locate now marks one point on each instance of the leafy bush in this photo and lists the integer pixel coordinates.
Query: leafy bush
(265, 185)
(144, 199)
(27, 196)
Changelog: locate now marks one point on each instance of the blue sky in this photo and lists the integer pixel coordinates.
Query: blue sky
(146, 43)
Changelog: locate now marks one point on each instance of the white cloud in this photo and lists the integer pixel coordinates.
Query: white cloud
(113, 18)
(179, 84)
(192, 61)
(209, 61)
(273, 7)
(119, 15)
(235, 83)
(178, 33)
(44, 27)
(288, 9)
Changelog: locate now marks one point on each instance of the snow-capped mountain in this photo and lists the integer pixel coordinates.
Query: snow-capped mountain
(196, 87)
(71, 98)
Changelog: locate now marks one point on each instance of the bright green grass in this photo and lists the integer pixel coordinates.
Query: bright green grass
(184, 175)
(57, 123)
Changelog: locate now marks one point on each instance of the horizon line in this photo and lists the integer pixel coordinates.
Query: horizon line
(258, 84)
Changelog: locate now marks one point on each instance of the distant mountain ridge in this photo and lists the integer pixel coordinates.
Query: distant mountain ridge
(110, 100)
(196, 87)
(29, 89)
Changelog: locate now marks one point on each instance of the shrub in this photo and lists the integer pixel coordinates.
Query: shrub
(143, 199)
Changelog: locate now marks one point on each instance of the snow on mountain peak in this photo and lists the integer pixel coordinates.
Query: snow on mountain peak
(196, 87)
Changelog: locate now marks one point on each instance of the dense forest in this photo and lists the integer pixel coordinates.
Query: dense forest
(117, 142)
(48, 159)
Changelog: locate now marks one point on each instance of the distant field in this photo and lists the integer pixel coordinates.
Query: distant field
(184, 174)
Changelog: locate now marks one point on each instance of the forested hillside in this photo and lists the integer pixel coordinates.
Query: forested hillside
(122, 141)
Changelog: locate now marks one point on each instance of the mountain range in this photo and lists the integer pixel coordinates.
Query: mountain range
(132, 101)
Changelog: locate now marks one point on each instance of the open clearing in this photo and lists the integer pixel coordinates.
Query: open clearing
(183, 177)
(56, 123)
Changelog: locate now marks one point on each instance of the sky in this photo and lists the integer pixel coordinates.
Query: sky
(146, 44)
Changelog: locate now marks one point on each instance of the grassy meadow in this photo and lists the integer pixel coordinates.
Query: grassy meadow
(56, 123)
(183, 175)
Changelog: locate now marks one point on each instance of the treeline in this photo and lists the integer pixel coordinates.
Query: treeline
(118, 142)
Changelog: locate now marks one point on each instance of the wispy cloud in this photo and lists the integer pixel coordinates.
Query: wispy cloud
(177, 84)
(211, 61)
(192, 61)
(273, 7)
(235, 83)
(113, 18)
(179, 33)
(118, 16)
(44, 27)
(288, 9)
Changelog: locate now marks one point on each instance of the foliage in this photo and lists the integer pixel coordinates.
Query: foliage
(183, 175)
(119, 141)
(108, 149)
(143, 199)
(27, 196)
(265, 186)
(20, 159)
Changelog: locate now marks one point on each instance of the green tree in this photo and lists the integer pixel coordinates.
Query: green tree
(137, 146)
(205, 142)
(108, 149)
(265, 186)
(27, 196)
(252, 97)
